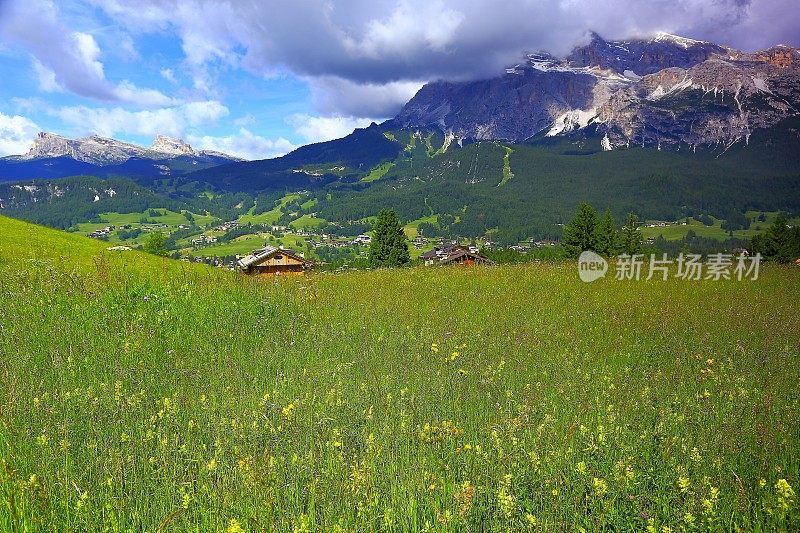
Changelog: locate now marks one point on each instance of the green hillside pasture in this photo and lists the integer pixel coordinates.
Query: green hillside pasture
(378, 172)
(678, 231)
(307, 222)
(439, 399)
(170, 218)
(246, 244)
(271, 216)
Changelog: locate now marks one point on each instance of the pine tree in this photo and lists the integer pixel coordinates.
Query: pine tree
(630, 240)
(388, 247)
(579, 233)
(606, 236)
(779, 243)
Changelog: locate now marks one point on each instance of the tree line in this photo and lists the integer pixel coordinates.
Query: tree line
(588, 231)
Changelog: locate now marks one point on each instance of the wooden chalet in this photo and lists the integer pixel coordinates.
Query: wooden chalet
(455, 254)
(273, 261)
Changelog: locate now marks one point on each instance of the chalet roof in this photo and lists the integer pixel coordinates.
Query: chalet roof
(441, 251)
(264, 253)
(462, 252)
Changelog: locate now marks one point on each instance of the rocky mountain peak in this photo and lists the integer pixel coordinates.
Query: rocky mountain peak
(104, 151)
(170, 145)
(664, 90)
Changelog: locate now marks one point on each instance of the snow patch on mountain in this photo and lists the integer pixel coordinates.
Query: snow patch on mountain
(571, 121)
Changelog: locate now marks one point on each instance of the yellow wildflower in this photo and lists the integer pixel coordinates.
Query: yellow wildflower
(234, 527)
(600, 487)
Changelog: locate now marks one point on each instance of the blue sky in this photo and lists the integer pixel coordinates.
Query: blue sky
(257, 79)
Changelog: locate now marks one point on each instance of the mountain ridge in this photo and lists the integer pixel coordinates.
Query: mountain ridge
(99, 150)
(641, 91)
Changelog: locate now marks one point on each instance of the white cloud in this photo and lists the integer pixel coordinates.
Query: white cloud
(173, 121)
(244, 144)
(432, 24)
(169, 75)
(64, 59)
(334, 95)
(46, 77)
(16, 134)
(128, 47)
(317, 129)
(246, 120)
(374, 44)
(128, 92)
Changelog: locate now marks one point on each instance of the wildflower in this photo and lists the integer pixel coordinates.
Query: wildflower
(212, 465)
(505, 501)
(684, 483)
(531, 520)
(695, 455)
(762, 482)
(289, 410)
(82, 500)
(600, 487)
(581, 467)
(785, 494)
(464, 498)
(453, 356)
(435, 348)
(234, 527)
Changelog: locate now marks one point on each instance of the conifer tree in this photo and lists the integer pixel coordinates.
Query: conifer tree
(606, 236)
(579, 233)
(388, 247)
(630, 240)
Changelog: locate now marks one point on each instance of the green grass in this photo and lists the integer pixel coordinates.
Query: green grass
(715, 231)
(307, 222)
(271, 216)
(412, 228)
(507, 174)
(141, 394)
(377, 173)
(171, 219)
(246, 244)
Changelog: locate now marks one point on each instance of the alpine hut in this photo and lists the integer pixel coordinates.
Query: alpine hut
(273, 261)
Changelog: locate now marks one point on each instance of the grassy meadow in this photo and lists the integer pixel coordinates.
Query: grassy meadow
(141, 394)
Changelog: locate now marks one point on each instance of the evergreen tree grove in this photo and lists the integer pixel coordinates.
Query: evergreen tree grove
(779, 243)
(388, 247)
(580, 232)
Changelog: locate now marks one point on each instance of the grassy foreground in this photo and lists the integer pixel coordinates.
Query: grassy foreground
(139, 394)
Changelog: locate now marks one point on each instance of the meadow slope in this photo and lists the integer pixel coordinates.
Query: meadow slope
(141, 394)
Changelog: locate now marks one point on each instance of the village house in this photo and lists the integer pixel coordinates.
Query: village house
(362, 240)
(204, 239)
(273, 261)
(103, 232)
(227, 226)
(454, 254)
